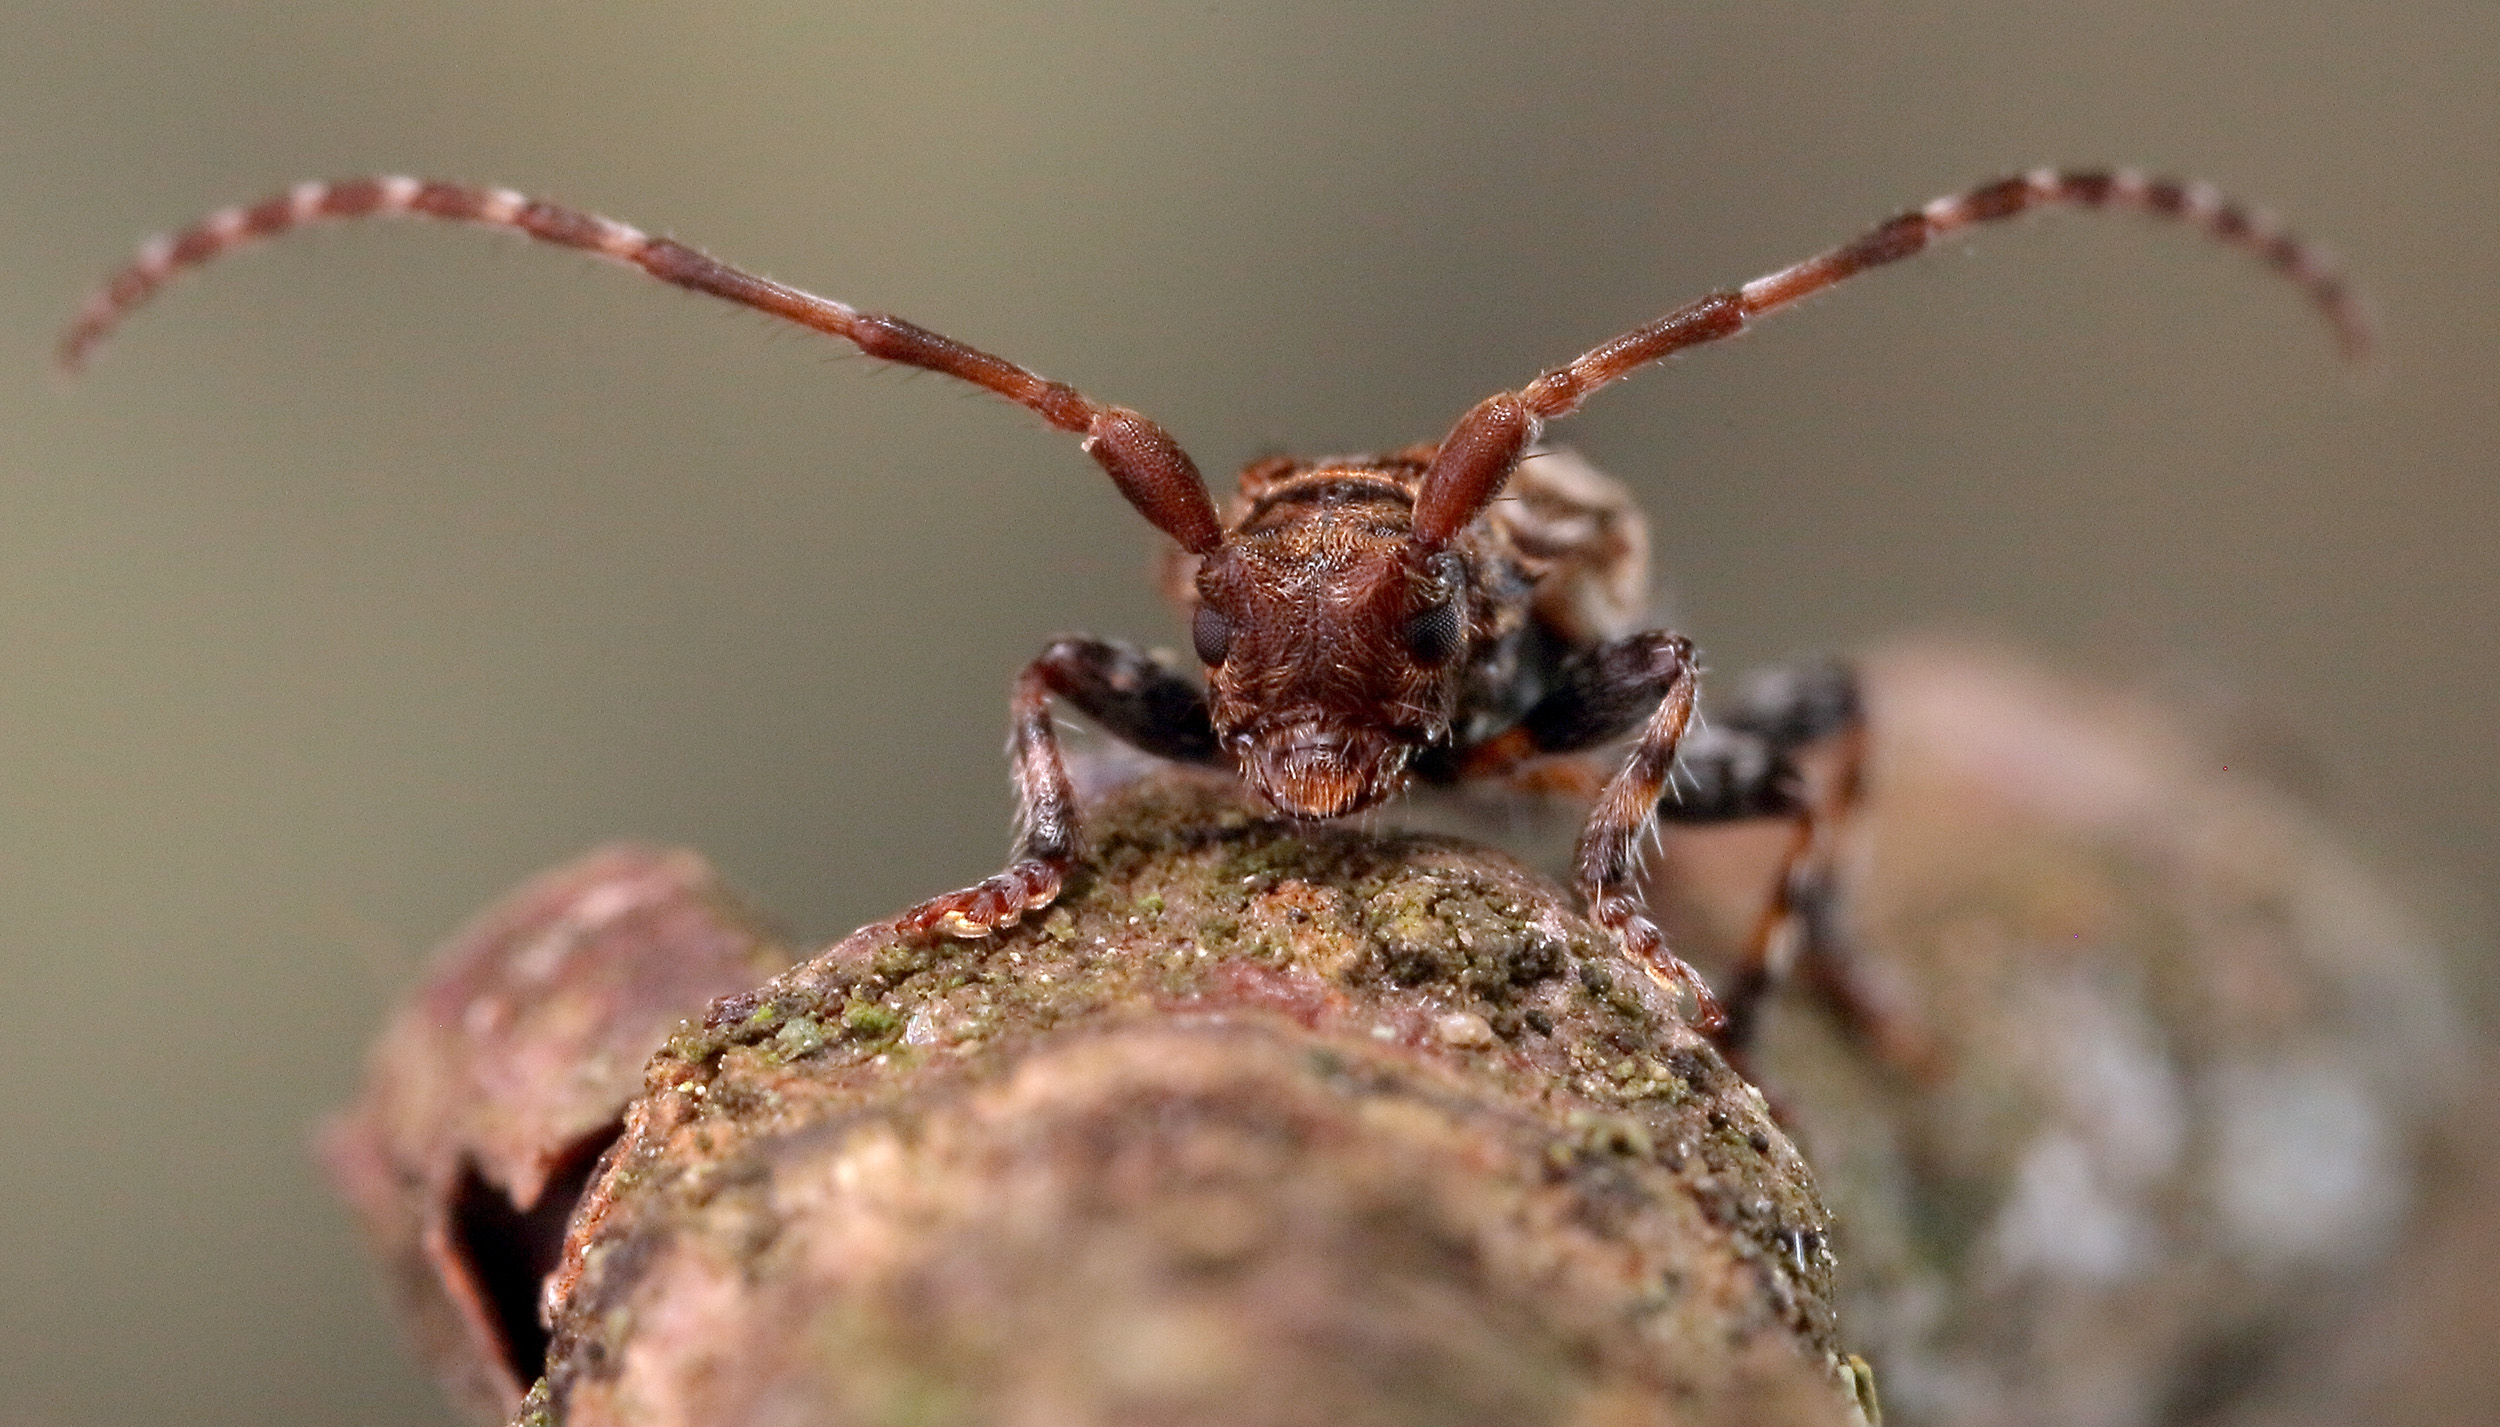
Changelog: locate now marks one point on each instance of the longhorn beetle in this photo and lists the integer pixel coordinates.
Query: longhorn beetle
(1369, 620)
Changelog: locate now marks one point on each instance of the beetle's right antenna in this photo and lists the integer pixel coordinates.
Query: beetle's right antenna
(1143, 460)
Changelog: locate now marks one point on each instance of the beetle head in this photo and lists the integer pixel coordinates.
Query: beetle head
(1335, 620)
(1333, 642)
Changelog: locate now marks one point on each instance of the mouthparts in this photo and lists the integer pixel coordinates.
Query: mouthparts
(1317, 771)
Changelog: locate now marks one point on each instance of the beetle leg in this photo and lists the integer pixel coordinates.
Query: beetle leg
(1741, 768)
(1744, 767)
(1595, 697)
(1133, 698)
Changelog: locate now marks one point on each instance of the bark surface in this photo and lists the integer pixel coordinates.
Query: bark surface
(1259, 1125)
(2164, 1115)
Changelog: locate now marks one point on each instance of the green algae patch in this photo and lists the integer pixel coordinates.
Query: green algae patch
(803, 1036)
(869, 1021)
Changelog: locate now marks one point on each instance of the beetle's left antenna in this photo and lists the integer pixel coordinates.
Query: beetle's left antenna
(2196, 204)
(1142, 459)
(1476, 458)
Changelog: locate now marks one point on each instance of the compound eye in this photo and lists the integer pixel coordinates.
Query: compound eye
(1432, 633)
(1212, 633)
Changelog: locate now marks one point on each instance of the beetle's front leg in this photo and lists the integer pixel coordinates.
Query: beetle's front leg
(1133, 698)
(1596, 696)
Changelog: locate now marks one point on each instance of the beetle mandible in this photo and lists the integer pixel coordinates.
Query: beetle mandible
(1366, 621)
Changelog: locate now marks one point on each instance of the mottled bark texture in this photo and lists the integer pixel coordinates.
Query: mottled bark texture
(504, 1075)
(1259, 1125)
(2157, 1121)
(2163, 1120)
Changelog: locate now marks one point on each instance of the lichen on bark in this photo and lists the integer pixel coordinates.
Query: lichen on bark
(1260, 1124)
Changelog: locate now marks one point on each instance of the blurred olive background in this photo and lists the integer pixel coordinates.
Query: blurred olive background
(370, 573)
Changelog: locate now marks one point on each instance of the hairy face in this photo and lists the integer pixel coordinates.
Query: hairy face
(1332, 646)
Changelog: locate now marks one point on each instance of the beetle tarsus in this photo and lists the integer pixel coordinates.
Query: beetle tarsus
(991, 905)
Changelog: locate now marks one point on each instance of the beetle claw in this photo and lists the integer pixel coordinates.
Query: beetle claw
(989, 906)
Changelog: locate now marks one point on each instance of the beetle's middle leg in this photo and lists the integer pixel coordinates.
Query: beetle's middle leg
(1132, 697)
(1746, 766)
